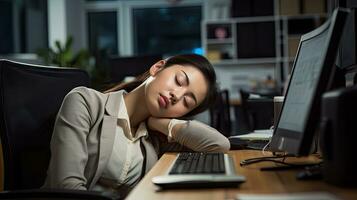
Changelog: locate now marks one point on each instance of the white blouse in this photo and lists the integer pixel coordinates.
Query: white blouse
(123, 172)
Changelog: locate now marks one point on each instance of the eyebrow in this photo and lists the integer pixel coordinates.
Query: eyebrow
(188, 83)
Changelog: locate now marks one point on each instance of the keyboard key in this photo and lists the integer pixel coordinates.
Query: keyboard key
(199, 163)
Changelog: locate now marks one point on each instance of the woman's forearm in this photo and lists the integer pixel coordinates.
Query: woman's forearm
(200, 137)
(192, 134)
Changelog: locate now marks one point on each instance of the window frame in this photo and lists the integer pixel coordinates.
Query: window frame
(124, 9)
(92, 7)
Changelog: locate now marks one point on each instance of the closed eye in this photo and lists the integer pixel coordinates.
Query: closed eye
(187, 82)
(185, 102)
(177, 81)
(189, 101)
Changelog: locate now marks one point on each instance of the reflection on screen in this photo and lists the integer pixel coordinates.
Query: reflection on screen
(303, 84)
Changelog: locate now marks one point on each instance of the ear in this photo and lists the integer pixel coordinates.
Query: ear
(157, 67)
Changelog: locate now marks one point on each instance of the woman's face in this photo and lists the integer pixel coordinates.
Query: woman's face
(174, 91)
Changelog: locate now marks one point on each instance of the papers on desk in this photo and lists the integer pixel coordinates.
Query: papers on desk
(290, 196)
(263, 134)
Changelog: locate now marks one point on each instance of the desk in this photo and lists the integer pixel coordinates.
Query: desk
(257, 182)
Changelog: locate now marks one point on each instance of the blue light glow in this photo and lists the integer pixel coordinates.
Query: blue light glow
(198, 50)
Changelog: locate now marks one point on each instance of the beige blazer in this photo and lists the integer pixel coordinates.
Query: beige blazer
(83, 136)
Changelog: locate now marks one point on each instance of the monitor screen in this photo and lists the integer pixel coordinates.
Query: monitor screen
(303, 84)
(311, 72)
(122, 67)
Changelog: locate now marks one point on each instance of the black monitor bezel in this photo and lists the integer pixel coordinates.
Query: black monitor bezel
(285, 140)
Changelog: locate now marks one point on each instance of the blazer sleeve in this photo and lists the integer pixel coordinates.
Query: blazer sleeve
(69, 152)
(200, 137)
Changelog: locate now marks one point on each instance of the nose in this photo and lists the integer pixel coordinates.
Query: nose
(176, 95)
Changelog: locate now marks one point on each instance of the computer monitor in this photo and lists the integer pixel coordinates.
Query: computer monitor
(313, 65)
(121, 67)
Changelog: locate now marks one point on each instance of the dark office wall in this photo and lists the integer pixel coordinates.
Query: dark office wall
(6, 30)
(76, 23)
(35, 25)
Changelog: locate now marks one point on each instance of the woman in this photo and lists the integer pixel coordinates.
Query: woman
(108, 141)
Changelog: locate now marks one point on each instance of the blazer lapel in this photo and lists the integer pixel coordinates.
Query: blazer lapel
(107, 134)
(151, 155)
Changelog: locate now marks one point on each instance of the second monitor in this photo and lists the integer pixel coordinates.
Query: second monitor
(313, 66)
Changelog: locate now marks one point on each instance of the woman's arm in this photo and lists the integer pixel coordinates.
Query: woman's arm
(192, 134)
(68, 144)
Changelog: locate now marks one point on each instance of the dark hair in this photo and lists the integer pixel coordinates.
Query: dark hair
(200, 62)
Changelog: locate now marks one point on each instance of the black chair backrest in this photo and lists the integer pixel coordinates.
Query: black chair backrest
(220, 113)
(30, 97)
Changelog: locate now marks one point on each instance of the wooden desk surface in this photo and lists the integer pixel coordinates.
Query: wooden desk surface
(258, 182)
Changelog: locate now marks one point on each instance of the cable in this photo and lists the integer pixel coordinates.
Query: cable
(266, 146)
(262, 159)
(274, 159)
(267, 160)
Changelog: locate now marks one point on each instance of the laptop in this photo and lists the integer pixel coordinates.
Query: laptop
(200, 170)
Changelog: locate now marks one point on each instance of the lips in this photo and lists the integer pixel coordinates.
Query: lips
(163, 101)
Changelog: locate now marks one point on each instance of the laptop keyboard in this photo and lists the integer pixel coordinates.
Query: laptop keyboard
(199, 163)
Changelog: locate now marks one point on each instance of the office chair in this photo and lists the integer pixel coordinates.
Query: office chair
(30, 97)
(258, 113)
(220, 113)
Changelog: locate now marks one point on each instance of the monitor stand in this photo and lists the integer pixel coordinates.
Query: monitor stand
(310, 170)
(289, 167)
(284, 165)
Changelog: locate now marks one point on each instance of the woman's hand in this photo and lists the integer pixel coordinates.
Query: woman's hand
(162, 125)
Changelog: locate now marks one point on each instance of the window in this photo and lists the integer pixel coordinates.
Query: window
(145, 27)
(102, 31)
(167, 30)
(23, 26)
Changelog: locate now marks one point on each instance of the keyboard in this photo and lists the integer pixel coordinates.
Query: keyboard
(199, 170)
(199, 163)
